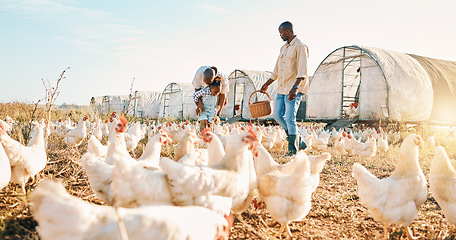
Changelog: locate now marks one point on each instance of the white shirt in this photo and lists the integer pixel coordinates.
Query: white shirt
(199, 83)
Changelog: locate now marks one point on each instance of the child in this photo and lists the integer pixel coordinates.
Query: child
(208, 96)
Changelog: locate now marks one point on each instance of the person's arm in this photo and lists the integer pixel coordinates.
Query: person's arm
(302, 54)
(221, 103)
(199, 107)
(198, 79)
(265, 86)
(294, 91)
(197, 98)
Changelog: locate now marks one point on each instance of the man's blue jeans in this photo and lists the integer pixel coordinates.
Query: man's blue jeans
(285, 112)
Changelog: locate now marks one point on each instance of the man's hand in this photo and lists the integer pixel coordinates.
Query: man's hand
(200, 108)
(292, 94)
(265, 86)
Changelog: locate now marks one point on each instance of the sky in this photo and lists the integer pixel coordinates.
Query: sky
(107, 44)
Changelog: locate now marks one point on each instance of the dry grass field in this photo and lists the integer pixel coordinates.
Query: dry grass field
(336, 210)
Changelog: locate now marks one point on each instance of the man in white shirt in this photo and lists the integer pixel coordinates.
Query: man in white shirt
(204, 76)
(290, 72)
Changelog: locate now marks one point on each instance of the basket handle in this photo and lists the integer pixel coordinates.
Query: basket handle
(260, 92)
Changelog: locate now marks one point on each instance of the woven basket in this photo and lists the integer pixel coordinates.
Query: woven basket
(260, 108)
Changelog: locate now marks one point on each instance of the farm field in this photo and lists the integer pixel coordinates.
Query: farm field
(336, 212)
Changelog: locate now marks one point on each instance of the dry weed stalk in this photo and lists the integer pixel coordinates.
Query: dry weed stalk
(51, 96)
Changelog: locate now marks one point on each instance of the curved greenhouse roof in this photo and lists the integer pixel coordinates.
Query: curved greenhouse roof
(386, 84)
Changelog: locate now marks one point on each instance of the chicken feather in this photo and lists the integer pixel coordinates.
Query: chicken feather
(230, 178)
(442, 180)
(395, 199)
(64, 217)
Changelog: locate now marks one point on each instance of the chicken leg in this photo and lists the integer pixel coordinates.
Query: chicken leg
(409, 233)
(386, 229)
(284, 226)
(23, 188)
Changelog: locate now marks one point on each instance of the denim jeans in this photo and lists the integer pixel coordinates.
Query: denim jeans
(209, 103)
(285, 112)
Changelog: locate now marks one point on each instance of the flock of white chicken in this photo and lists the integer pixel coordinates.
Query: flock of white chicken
(158, 197)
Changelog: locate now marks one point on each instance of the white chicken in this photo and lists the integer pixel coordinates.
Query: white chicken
(5, 168)
(335, 135)
(134, 185)
(25, 161)
(105, 128)
(98, 161)
(117, 146)
(395, 199)
(75, 136)
(133, 135)
(319, 144)
(382, 142)
(230, 178)
(99, 174)
(185, 145)
(367, 149)
(97, 130)
(286, 203)
(269, 139)
(94, 146)
(352, 111)
(280, 140)
(151, 155)
(265, 163)
(348, 146)
(215, 148)
(124, 177)
(316, 166)
(128, 173)
(442, 180)
(339, 146)
(61, 216)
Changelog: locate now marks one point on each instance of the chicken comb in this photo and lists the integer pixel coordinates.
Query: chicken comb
(205, 131)
(112, 114)
(123, 120)
(355, 104)
(251, 130)
(165, 132)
